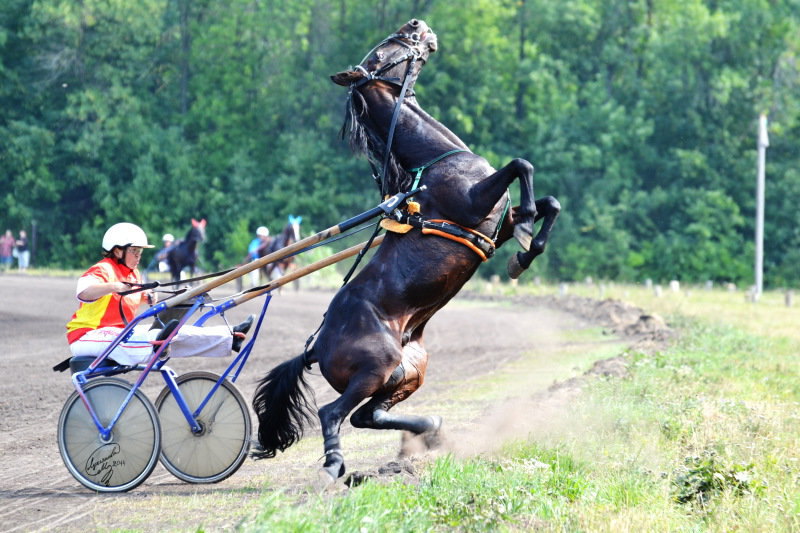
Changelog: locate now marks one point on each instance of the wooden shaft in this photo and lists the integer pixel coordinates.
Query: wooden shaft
(308, 269)
(253, 265)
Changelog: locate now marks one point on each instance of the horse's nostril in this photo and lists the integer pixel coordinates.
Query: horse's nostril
(414, 22)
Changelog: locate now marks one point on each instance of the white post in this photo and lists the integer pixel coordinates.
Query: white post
(763, 142)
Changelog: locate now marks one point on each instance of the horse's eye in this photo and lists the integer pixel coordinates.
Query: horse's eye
(380, 55)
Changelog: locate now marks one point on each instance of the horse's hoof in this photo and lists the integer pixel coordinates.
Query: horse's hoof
(326, 482)
(324, 479)
(523, 234)
(418, 444)
(433, 437)
(514, 268)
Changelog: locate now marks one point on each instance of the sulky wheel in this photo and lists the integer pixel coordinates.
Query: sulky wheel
(128, 456)
(221, 445)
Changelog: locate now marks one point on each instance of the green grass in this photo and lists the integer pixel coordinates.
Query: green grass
(702, 436)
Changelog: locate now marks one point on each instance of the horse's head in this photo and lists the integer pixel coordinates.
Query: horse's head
(396, 60)
(198, 230)
(389, 59)
(292, 229)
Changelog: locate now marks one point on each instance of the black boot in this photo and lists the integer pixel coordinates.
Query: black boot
(169, 327)
(242, 328)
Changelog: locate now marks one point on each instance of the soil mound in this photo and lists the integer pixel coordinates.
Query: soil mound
(647, 331)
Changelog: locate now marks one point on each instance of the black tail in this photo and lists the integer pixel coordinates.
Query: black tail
(282, 407)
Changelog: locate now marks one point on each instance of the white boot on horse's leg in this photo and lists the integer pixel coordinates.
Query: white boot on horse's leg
(524, 234)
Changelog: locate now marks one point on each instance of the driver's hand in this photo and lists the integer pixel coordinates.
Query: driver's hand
(121, 286)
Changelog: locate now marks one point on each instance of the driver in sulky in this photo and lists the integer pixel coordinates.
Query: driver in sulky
(103, 312)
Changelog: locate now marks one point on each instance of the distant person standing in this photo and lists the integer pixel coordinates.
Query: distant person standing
(23, 254)
(7, 244)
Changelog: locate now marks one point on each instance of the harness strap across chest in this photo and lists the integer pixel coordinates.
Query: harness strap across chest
(419, 170)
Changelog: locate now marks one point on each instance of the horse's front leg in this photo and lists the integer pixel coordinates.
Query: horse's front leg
(485, 195)
(547, 208)
(528, 212)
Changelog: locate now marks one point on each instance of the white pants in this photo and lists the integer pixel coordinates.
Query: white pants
(190, 341)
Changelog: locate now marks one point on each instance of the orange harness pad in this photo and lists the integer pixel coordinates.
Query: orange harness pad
(395, 227)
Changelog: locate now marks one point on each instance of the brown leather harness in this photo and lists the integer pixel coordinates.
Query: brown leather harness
(409, 218)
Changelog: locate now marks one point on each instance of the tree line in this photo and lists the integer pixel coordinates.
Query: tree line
(640, 116)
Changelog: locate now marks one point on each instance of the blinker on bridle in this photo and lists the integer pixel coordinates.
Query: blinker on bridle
(412, 52)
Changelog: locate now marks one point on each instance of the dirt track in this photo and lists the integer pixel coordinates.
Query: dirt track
(467, 340)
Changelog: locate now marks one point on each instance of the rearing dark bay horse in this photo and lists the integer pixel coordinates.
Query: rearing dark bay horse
(370, 346)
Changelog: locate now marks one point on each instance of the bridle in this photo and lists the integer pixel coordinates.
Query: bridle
(413, 53)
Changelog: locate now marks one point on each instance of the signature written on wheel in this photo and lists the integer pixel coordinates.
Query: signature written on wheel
(102, 462)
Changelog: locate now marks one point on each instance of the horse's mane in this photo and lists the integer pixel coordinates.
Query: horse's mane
(363, 139)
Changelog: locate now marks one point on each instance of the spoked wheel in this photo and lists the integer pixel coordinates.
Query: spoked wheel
(221, 445)
(123, 461)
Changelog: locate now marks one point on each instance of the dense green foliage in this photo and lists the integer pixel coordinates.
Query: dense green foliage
(639, 115)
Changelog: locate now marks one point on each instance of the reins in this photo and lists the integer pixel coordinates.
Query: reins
(402, 221)
(393, 124)
(413, 53)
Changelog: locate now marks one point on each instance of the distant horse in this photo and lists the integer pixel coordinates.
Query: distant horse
(184, 252)
(290, 234)
(370, 345)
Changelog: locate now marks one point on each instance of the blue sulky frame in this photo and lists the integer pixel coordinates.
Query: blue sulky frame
(156, 362)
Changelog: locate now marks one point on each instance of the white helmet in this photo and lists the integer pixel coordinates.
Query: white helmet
(124, 234)
(168, 237)
(262, 231)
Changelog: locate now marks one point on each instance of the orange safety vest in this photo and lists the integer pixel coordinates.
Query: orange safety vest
(104, 312)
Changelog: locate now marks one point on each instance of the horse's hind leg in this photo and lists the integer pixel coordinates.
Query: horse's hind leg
(404, 381)
(375, 415)
(332, 415)
(547, 208)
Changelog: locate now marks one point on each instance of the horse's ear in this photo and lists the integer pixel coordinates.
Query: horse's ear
(202, 223)
(346, 77)
(194, 223)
